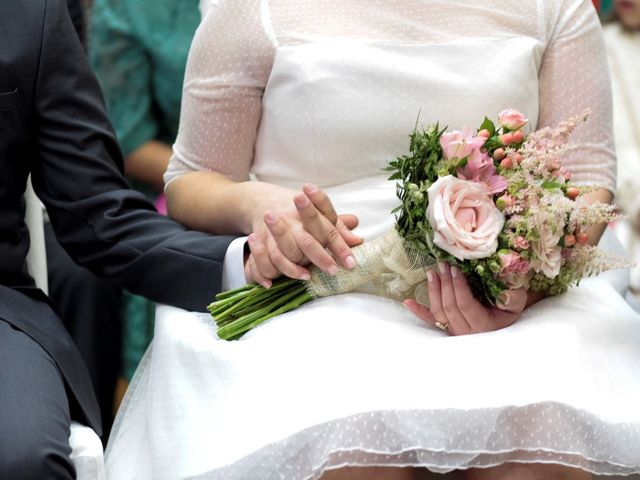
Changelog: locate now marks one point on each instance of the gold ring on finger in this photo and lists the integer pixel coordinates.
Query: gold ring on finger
(442, 326)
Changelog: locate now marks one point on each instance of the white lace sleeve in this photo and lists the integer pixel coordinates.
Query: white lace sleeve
(574, 77)
(228, 67)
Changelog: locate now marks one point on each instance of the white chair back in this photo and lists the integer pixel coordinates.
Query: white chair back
(37, 256)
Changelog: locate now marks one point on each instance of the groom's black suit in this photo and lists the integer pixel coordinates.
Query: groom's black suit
(53, 125)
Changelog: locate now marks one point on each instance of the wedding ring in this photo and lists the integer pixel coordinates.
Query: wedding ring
(442, 326)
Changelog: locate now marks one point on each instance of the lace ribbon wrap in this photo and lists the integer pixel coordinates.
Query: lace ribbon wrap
(391, 266)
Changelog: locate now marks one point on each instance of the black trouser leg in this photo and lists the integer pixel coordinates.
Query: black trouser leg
(34, 411)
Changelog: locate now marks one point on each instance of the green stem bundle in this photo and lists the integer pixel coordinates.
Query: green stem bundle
(238, 311)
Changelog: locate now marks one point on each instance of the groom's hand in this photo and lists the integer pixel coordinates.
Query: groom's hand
(315, 234)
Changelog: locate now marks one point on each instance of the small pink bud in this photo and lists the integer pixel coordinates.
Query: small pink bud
(567, 175)
(506, 163)
(582, 238)
(569, 240)
(484, 133)
(507, 138)
(505, 201)
(521, 242)
(512, 119)
(498, 154)
(518, 136)
(572, 192)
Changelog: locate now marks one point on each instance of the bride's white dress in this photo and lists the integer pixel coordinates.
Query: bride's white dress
(327, 91)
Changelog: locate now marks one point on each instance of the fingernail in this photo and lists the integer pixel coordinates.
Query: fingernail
(251, 238)
(350, 261)
(305, 277)
(430, 276)
(269, 217)
(442, 267)
(266, 284)
(454, 271)
(505, 298)
(333, 269)
(301, 200)
(309, 188)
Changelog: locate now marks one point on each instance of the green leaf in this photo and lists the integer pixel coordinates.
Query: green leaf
(488, 125)
(551, 184)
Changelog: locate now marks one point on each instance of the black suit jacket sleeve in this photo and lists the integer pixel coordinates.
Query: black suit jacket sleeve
(77, 172)
(76, 13)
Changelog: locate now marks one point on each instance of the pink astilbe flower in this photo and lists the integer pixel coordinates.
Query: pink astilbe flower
(544, 147)
(585, 213)
(480, 169)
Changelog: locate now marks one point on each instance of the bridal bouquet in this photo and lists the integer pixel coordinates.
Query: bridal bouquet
(497, 203)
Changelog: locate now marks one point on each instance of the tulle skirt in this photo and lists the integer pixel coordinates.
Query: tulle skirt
(358, 380)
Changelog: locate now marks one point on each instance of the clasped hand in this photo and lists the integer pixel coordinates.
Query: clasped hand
(284, 242)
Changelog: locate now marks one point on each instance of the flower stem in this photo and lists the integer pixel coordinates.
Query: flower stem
(254, 296)
(231, 293)
(286, 300)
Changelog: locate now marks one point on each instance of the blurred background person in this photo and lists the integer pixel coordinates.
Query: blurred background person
(138, 49)
(622, 37)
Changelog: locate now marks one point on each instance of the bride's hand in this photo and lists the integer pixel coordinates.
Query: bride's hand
(285, 241)
(456, 310)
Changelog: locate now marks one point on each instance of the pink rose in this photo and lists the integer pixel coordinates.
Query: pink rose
(512, 119)
(459, 144)
(465, 221)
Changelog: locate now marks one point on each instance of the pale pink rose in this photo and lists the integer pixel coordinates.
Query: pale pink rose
(465, 221)
(480, 168)
(512, 263)
(459, 144)
(547, 254)
(512, 119)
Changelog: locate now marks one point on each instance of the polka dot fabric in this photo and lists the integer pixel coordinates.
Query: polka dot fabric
(223, 122)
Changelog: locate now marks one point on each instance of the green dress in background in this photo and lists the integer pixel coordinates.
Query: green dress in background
(138, 49)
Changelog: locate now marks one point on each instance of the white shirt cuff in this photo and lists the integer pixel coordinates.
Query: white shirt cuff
(233, 266)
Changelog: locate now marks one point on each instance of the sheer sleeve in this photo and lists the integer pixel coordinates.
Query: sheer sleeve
(574, 77)
(228, 67)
